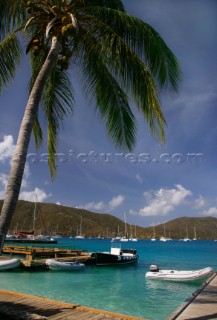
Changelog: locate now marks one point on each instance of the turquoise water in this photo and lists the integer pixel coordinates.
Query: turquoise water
(120, 289)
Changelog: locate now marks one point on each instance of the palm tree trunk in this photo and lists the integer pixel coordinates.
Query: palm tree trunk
(19, 157)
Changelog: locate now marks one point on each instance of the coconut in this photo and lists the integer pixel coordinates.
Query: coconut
(64, 29)
(70, 26)
(64, 20)
(64, 59)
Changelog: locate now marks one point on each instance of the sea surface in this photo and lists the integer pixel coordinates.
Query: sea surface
(121, 289)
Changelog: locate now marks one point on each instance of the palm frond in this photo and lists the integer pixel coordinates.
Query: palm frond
(50, 26)
(58, 101)
(10, 56)
(142, 39)
(113, 4)
(36, 62)
(12, 15)
(131, 74)
(28, 23)
(110, 100)
(73, 20)
(37, 133)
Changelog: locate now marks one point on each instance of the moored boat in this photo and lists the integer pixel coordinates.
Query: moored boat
(64, 265)
(9, 264)
(116, 256)
(179, 275)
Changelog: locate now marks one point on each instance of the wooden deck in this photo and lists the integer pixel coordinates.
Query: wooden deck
(202, 305)
(36, 256)
(15, 306)
(32, 253)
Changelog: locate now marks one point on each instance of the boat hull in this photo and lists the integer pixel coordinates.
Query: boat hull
(9, 264)
(108, 259)
(64, 266)
(39, 241)
(176, 275)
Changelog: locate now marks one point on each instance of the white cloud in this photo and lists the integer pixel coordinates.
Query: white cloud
(26, 175)
(210, 212)
(113, 203)
(3, 179)
(31, 195)
(139, 178)
(3, 183)
(163, 201)
(116, 201)
(132, 212)
(7, 148)
(199, 202)
(93, 206)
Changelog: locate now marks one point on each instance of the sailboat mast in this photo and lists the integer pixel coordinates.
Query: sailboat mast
(126, 235)
(34, 213)
(34, 217)
(81, 226)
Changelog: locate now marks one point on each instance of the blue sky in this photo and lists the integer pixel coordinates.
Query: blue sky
(155, 183)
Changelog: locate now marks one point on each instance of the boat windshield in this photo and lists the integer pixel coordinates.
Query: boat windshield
(115, 245)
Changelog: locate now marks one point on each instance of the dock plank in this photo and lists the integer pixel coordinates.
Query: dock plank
(201, 305)
(17, 305)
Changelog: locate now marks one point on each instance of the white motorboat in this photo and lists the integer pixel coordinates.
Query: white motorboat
(64, 265)
(9, 264)
(178, 275)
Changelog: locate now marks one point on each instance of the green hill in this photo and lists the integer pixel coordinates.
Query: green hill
(56, 219)
(206, 228)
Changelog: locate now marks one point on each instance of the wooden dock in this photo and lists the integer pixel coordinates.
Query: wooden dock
(36, 256)
(202, 305)
(15, 306)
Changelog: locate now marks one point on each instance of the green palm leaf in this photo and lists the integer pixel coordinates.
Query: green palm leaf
(131, 74)
(12, 15)
(113, 4)
(110, 100)
(142, 39)
(10, 56)
(58, 101)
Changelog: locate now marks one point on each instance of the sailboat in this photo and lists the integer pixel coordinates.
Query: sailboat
(117, 238)
(164, 238)
(79, 234)
(135, 239)
(186, 238)
(131, 236)
(154, 235)
(28, 235)
(195, 234)
(125, 238)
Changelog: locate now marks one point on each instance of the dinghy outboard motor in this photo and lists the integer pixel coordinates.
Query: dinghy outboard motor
(154, 268)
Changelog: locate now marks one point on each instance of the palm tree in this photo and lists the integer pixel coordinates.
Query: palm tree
(120, 58)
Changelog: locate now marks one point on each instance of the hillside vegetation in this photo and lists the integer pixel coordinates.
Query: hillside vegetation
(56, 219)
